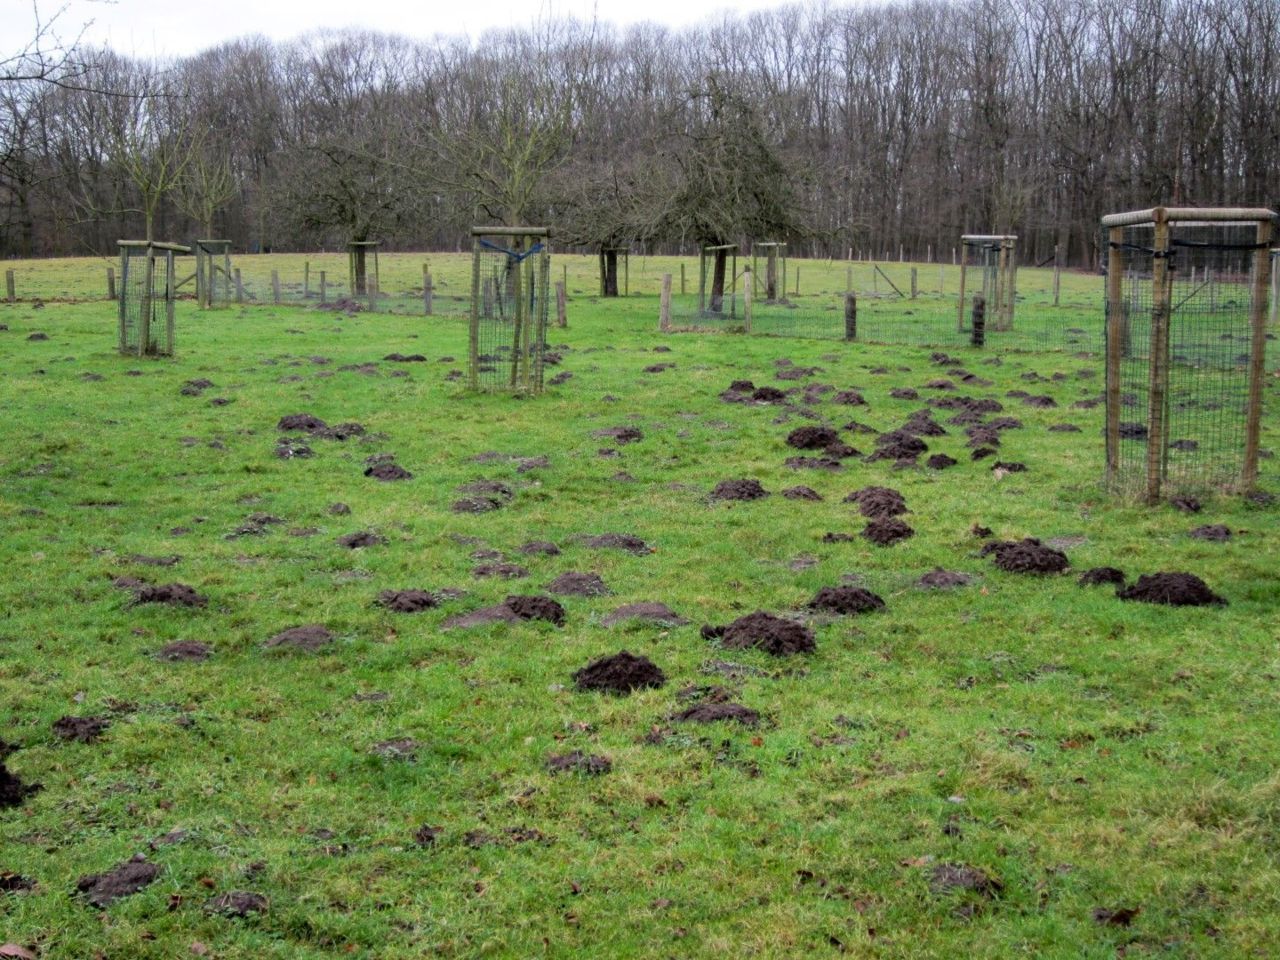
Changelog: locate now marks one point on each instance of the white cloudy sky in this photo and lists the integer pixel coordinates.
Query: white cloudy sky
(175, 27)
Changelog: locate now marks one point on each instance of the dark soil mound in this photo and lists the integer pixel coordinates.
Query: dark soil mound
(1005, 423)
(236, 903)
(539, 548)
(388, 472)
(940, 384)
(841, 451)
(339, 509)
(982, 453)
(846, 600)
(620, 673)
(904, 393)
(898, 445)
(103, 889)
(1043, 402)
(579, 585)
(534, 607)
(494, 490)
(578, 762)
(887, 531)
(1185, 504)
(12, 790)
(764, 631)
(185, 650)
(1009, 466)
(1064, 428)
(745, 489)
(621, 435)
(877, 502)
(940, 461)
(405, 358)
(1215, 532)
(813, 463)
(312, 636)
(169, 561)
(1133, 431)
(801, 493)
(1097, 576)
(812, 438)
(767, 395)
(830, 537)
(361, 539)
(959, 876)
(618, 541)
(982, 436)
(475, 505)
(505, 571)
(301, 421)
(715, 712)
(343, 431)
(498, 613)
(1026, 556)
(939, 579)
(174, 594)
(80, 729)
(1171, 589)
(407, 601)
(922, 424)
(645, 610)
(849, 398)
(15, 882)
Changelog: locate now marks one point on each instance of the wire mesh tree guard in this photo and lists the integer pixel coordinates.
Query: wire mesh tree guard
(360, 281)
(1186, 318)
(609, 257)
(770, 284)
(214, 284)
(994, 258)
(510, 283)
(148, 287)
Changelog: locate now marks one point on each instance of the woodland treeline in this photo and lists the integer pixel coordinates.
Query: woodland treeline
(867, 128)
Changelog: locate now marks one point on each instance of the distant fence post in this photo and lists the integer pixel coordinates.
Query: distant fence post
(428, 294)
(239, 287)
(10, 291)
(306, 280)
(682, 279)
(664, 309)
(324, 291)
(848, 278)
(275, 286)
(978, 321)
(111, 283)
(851, 316)
(562, 319)
(797, 281)
(1057, 274)
(746, 299)
(914, 286)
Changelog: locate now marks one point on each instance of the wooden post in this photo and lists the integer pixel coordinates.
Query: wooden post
(850, 316)
(702, 281)
(914, 286)
(848, 279)
(169, 296)
(960, 303)
(144, 323)
(324, 291)
(371, 286)
(562, 319)
(939, 279)
(111, 283)
(664, 308)
(1257, 356)
(1057, 274)
(306, 280)
(564, 275)
(473, 373)
(978, 322)
(10, 290)
(239, 287)
(928, 253)
(1157, 443)
(682, 279)
(124, 285)
(428, 293)
(1115, 344)
(797, 281)
(746, 300)
(275, 286)
(902, 254)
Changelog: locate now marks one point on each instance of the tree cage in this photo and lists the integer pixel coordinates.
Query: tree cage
(148, 288)
(609, 257)
(510, 283)
(1186, 317)
(769, 284)
(213, 272)
(715, 272)
(362, 282)
(993, 258)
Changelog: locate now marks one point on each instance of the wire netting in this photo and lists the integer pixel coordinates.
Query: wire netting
(145, 301)
(1181, 398)
(510, 286)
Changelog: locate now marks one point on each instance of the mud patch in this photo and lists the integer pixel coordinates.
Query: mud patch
(574, 584)
(236, 903)
(939, 579)
(388, 472)
(361, 539)
(504, 571)
(1213, 532)
(1098, 576)
(812, 438)
(947, 877)
(877, 502)
(1026, 556)
(579, 762)
(309, 637)
(172, 594)
(718, 712)
(407, 601)
(774, 635)
(81, 729)
(813, 463)
(940, 461)
(185, 651)
(1173, 589)
(745, 489)
(846, 600)
(620, 435)
(801, 493)
(648, 610)
(887, 531)
(620, 674)
(103, 889)
(618, 541)
(535, 607)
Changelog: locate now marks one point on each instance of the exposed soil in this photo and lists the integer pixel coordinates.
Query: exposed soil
(904, 393)
(191, 651)
(764, 631)
(801, 493)
(846, 600)
(830, 537)
(982, 453)
(534, 607)
(574, 584)
(650, 610)
(716, 712)
(1005, 423)
(1133, 431)
(401, 748)
(813, 463)
(13, 792)
(849, 398)
(1172, 589)
(361, 539)
(1185, 504)
(618, 541)
(343, 431)
(940, 461)
(878, 502)
(236, 903)
(841, 451)
(1026, 556)
(1214, 532)
(542, 548)
(126, 879)
(388, 472)
(939, 384)
(767, 395)
(1097, 576)
(939, 579)
(1009, 466)
(312, 636)
(15, 882)
(922, 424)
(745, 489)
(300, 421)
(407, 601)
(174, 594)
(504, 571)
(621, 435)
(887, 531)
(81, 729)
(289, 448)
(339, 509)
(405, 358)
(146, 561)
(898, 445)
(1064, 428)
(578, 762)
(982, 436)
(620, 673)
(812, 438)
(947, 877)
(475, 505)
(498, 613)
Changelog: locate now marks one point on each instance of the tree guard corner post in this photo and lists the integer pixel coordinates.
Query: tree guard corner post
(1057, 273)
(964, 262)
(746, 300)
(702, 280)
(1262, 265)
(144, 319)
(170, 296)
(1009, 246)
(978, 322)
(473, 374)
(120, 304)
(562, 317)
(664, 304)
(1116, 336)
(850, 316)
(1161, 301)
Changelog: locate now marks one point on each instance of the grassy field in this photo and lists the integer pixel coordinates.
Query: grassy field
(1020, 766)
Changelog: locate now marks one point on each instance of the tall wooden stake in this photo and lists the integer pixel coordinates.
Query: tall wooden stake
(1257, 356)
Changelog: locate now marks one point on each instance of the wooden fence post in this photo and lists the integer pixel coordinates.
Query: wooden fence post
(664, 308)
(275, 286)
(306, 280)
(848, 278)
(851, 316)
(914, 286)
(324, 292)
(682, 279)
(239, 287)
(111, 283)
(562, 319)
(797, 281)
(10, 290)
(428, 294)
(746, 299)
(1257, 359)
(978, 321)
(1157, 406)
(1057, 274)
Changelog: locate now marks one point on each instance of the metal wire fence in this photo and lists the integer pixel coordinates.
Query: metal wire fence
(145, 309)
(510, 283)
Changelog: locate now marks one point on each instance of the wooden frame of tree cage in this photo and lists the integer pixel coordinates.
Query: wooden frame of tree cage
(705, 306)
(1000, 299)
(522, 378)
(765, 284)
(145, 344)
(358, 284)
(1161, 221)
(208, 253)
(625, 253)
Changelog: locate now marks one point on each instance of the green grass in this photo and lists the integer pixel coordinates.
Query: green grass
(1091, 753)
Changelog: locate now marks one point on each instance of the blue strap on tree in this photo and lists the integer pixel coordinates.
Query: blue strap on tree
(513, 254)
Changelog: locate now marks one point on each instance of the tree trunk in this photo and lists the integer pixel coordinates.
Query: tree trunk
(609, 272)
(361, 278)
(717, 282)
(771, 275)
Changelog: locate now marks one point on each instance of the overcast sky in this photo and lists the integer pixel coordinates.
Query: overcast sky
(176, 27)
